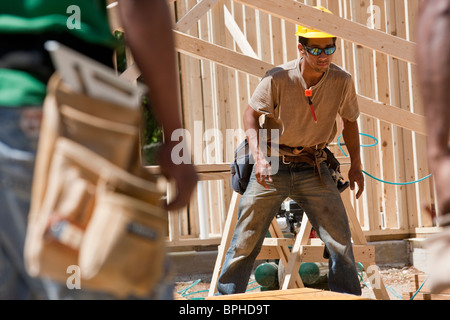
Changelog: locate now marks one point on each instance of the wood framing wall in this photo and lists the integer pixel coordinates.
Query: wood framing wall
(226, 46)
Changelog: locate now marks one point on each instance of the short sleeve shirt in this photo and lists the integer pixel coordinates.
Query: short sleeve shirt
(280, 97)
(46, 18)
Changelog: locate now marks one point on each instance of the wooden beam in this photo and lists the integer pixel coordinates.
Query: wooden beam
(308, 16)
(205, 50)
(291, 294)
(230, 224)
(193, 15)
(238, 35)
(399, 117)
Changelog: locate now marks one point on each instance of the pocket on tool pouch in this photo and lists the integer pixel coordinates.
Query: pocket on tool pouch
(56, 233)
(112, 140)
(124, 242)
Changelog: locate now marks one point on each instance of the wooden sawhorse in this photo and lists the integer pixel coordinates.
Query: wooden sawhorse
(303, 249)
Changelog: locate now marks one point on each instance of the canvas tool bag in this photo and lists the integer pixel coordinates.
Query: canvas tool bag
(93, 204)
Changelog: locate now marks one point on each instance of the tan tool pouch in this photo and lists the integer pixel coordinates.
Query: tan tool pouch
(93, 205)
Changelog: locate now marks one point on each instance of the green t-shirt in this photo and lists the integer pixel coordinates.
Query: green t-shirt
(85, 19)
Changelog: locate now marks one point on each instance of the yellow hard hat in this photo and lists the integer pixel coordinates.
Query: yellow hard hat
(313, 33)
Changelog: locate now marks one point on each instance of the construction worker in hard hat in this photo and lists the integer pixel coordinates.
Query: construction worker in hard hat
(312, 51)
(313, 33)
(301, 99)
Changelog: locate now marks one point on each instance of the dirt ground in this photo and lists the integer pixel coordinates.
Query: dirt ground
(396, 281)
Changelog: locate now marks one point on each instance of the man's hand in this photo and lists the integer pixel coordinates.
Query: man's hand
(441, 175)
(149, 35)
(263, 172)
(183, 175)
(355, 174)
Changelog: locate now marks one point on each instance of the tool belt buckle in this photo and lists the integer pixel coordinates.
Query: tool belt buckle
(284, 160)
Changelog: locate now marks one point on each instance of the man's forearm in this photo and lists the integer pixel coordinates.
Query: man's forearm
(148, 33)
(251, 127)
(352, 142)
(434, 74)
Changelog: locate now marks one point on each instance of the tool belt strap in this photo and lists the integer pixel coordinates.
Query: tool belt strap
(307, 155)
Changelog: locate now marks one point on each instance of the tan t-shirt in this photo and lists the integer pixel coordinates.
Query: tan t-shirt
(280, 96)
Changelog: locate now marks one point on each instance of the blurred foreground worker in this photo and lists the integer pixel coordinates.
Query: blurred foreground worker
(433, 52)
(25, 68)
(301, 99)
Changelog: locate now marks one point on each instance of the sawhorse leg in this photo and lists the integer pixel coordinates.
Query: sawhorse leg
(285, 257)
(358, 237)
(294, 262)
(228, 231)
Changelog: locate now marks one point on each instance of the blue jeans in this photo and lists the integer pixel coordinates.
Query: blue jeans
(324, 208)
(19, 128)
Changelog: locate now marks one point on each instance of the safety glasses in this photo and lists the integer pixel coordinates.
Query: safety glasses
(318, 51)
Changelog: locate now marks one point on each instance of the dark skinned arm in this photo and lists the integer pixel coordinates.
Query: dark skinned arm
(148, 33)
(433, 53)
(262, 167)
(351, 138)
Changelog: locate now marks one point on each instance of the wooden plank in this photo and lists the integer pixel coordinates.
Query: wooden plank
(307, 16)
(265, 37)
(226, 91)
(362, 253)
(194, 14)
(205, 50)
(364, 81)
(419, 281)
(295, 257)
(238, 35)
(277, 41)
(210, 176)
(229, 227)
(425, 296)
(216, 204)
(291, 44)
(199, 168)
(357, 234)
(242, 78)
(396, 116)
(314, 253)
(191, 101)
(385, 136)
(193, 242)
(273, 242)
(333, 6)
(376, 281)
(291, 294)
(251, 31)
(408, 215)
(285, 256)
